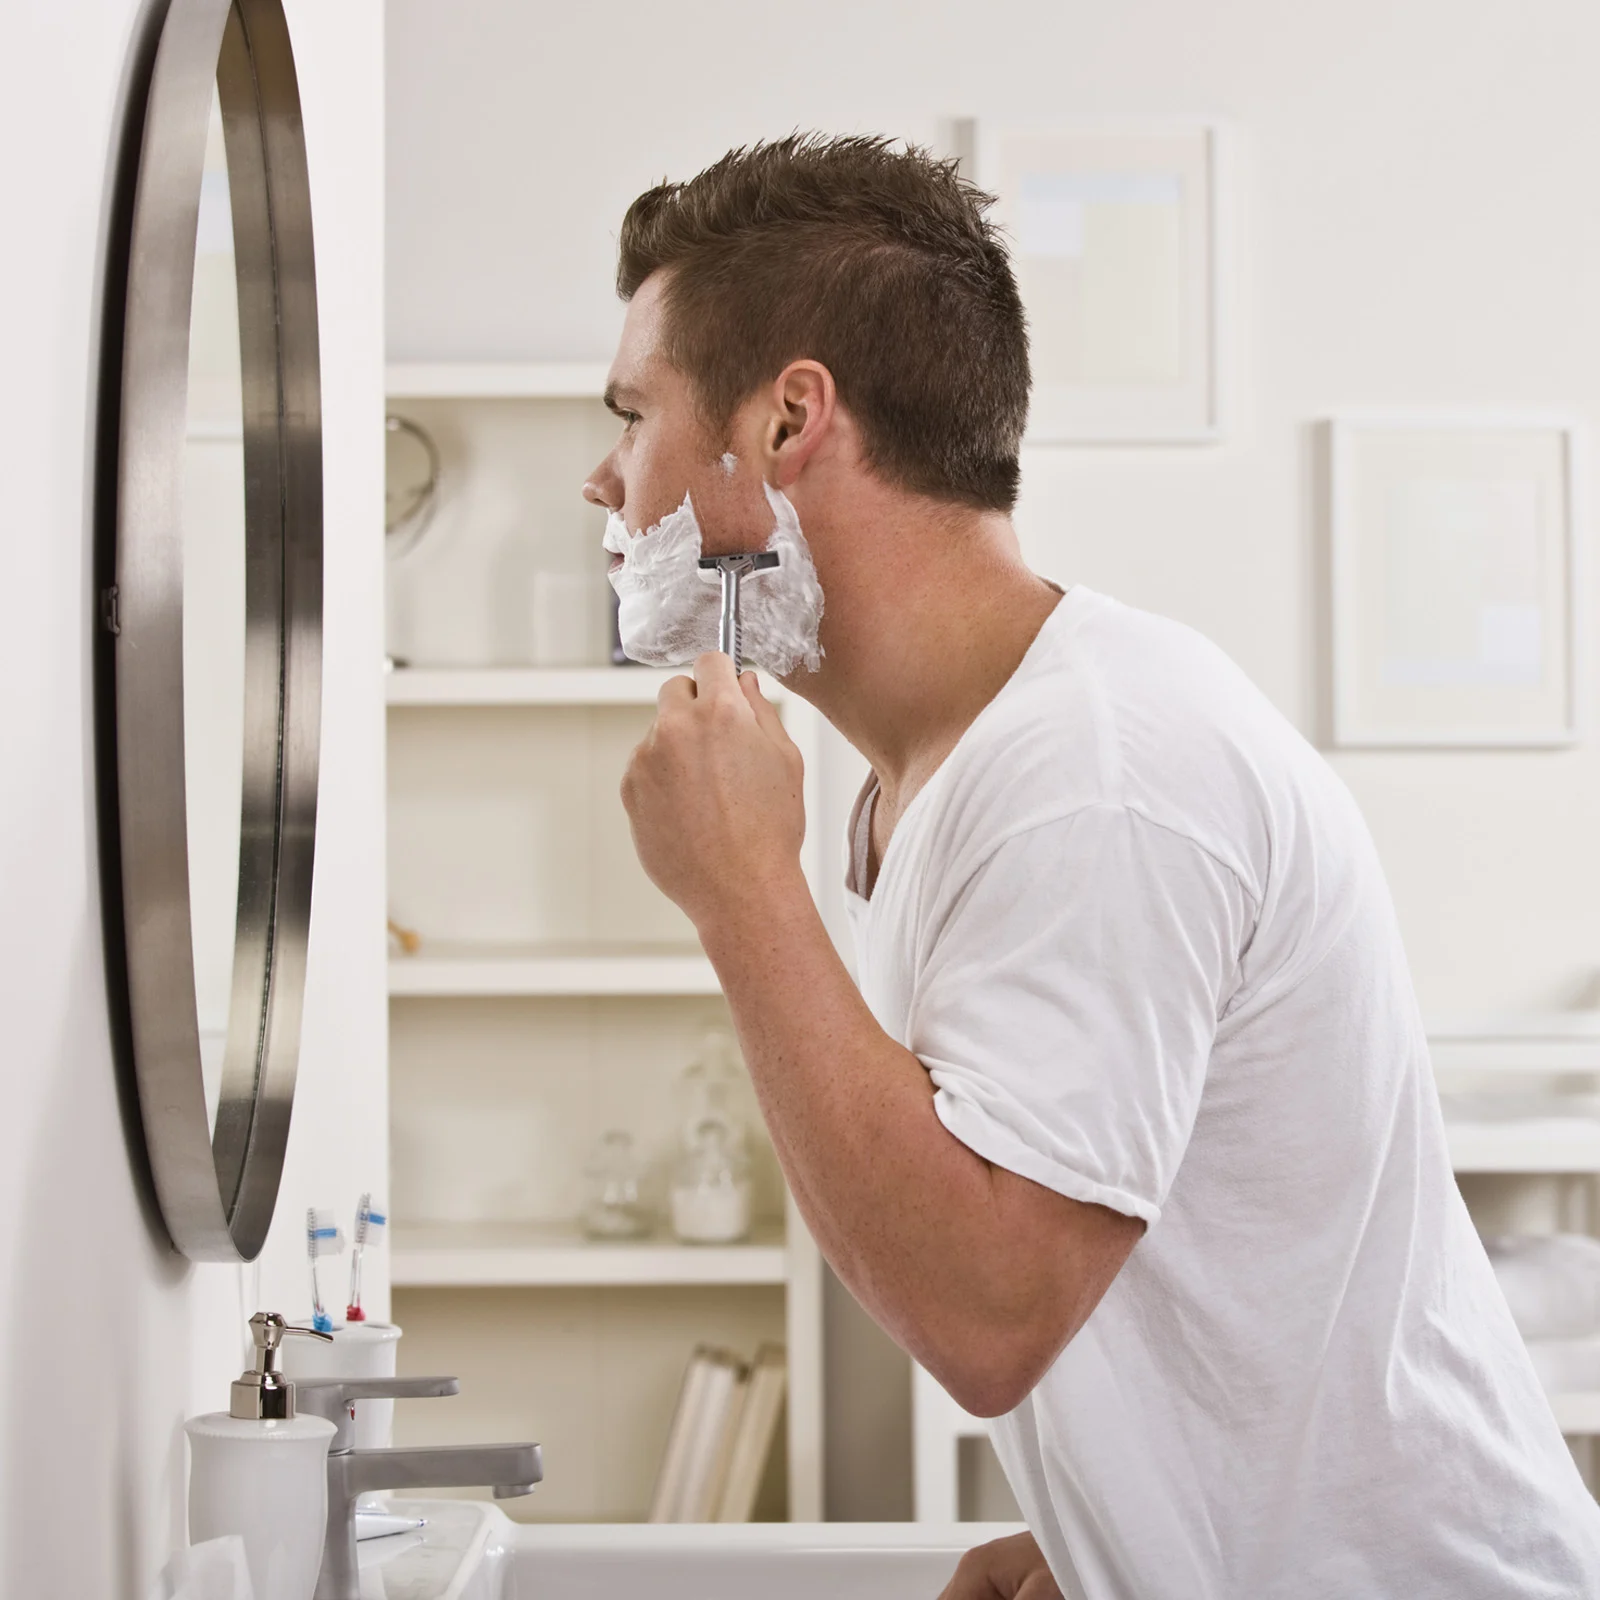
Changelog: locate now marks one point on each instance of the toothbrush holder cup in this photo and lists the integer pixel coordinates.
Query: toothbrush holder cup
(358, 1350)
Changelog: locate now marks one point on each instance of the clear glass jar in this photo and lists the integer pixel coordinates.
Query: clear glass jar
(709, 1088)
(613, 1207)
(711, 1186)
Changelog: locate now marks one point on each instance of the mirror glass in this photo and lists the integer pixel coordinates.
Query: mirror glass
(214, 620)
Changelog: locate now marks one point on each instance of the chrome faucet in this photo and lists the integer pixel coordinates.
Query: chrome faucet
(510, 1469)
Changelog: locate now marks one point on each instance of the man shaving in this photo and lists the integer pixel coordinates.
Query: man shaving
(1129, 1134)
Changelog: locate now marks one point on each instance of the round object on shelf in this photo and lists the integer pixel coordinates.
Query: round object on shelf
(411, 483)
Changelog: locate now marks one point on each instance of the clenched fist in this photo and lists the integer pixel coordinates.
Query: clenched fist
(714, 795)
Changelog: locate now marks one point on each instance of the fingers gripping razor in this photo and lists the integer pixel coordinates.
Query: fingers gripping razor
(732, 570)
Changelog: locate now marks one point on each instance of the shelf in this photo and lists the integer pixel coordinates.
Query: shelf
(557, 1255)
(1525, 1145)
(1577, 1415)
(537, 686)
(525, 686)
(1569, 1372)
(1523, 1042)
(495, 380)
(442, 969)
(1520, 1025)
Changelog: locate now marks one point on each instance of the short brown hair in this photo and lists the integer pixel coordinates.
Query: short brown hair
(878, 262)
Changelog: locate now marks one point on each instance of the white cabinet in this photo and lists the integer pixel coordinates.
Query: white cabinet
(555, 994)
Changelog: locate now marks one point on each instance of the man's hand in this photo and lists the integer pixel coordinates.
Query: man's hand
(714, 792)
(1005, 1569)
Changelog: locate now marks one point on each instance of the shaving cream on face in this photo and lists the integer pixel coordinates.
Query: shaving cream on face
(669, 607)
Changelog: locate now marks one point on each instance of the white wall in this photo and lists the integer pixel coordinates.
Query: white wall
(1414, 229)
(107, 1339)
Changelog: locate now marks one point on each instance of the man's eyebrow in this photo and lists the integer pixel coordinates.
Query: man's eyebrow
(617, 396)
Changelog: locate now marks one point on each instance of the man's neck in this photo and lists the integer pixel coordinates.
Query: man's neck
(926, 620)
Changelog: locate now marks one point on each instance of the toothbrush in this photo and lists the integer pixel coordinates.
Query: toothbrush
(322, 1239)
(369, 1224)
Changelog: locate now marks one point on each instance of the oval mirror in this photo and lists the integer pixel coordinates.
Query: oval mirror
(216, 611)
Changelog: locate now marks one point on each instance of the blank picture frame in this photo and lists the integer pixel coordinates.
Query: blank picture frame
(1115, 241)
(1454, 613)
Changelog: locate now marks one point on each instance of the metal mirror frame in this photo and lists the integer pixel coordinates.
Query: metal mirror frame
(217, 1191)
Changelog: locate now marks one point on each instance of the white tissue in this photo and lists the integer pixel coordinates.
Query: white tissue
(1551, 1282)
(214, 1570)
(669, 606)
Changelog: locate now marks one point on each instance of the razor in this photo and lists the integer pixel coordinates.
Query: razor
(733, 570)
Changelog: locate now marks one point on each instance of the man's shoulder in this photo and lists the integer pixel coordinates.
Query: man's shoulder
(1112, 696)
(1126, 708)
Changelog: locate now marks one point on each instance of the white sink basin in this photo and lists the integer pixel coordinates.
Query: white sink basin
(470, 1551)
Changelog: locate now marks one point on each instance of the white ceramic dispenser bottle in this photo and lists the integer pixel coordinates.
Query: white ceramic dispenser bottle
(260, 1471)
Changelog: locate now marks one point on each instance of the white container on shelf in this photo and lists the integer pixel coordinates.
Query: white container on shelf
(702, 1214)
(711, 1187)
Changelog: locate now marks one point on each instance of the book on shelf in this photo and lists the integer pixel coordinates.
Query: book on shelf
(695, 1460)
(754, 1433)
(721, 1435)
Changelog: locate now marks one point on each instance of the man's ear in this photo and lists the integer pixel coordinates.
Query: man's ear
(804, 407)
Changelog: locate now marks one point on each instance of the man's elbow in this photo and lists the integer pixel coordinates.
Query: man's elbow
(990, 1332)
(989, 1372)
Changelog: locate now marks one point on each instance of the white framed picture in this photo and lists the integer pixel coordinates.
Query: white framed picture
(1455, 551)
(1114, 236)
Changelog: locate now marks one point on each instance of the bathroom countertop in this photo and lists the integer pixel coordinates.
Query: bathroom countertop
(433, 1563)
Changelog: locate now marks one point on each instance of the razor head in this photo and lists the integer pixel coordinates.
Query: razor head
(740, 565)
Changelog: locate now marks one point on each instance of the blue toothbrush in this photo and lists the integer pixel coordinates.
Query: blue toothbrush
(322, 1239)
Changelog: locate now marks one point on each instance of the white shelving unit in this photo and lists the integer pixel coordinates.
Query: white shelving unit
(557, 1255)
(1557, 1140)
(554, 992)
(463, 970)
(537, 686)
(1536, 1164)
(1553, 1145)
(496, 380)
(525, 686)
(1577, 1414)
(1545, 1125)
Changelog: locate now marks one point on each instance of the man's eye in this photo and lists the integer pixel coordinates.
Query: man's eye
(629, 418)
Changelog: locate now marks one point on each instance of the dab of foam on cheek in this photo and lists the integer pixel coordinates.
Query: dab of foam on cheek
(668, 607)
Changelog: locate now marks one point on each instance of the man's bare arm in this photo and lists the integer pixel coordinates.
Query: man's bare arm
(981, 1274)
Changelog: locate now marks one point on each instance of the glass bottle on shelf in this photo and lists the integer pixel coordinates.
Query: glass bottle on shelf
(711, 1186)
(710, 1182)
(612, 1207)
(709, 1087)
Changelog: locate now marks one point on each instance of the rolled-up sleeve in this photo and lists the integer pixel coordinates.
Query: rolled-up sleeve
(1068, 999)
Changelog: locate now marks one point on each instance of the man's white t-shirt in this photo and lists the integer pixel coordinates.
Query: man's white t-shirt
(1136, 930)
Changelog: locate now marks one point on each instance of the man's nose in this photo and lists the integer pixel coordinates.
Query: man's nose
(603, 487)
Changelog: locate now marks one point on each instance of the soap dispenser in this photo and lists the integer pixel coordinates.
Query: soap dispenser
(260, 1471)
